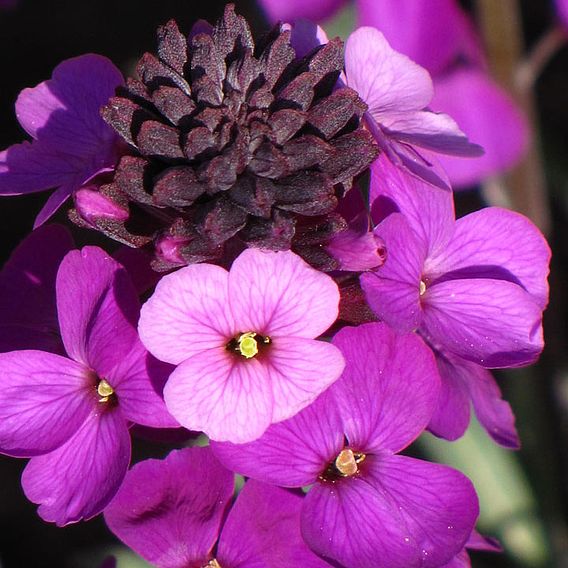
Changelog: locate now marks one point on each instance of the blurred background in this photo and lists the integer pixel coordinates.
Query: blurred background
(524, 495)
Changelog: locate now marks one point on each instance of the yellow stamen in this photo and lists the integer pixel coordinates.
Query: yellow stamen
(422, 287)
(212, 564)
(247, 344)
(104, 390)
(346, 462)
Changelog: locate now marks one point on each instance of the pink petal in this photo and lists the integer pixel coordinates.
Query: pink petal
(385, 79)
(98, 308)
(278, 294)
(473, 100)
(78, 480)
(257, 533)
(498, 243)
(299, 370)
(493, 323)
(433, 45)
(44, 399)
(429, 211)
(393, 290)
(65, 109)
(292, 453)
(228, 399)
(187, 313)
(170, 511)
(315, 10)
(389, 389)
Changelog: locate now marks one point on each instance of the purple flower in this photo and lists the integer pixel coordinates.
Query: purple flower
(243, 342)
(474, 288)
(71, 415)
(448, 46)
(475, 542)
(71, 143)
(562, 11)
(173, 513)
(28, 314)
(368, 507)
(397, 91)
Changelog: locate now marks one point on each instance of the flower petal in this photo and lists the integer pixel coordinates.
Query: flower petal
(187, 313)
(291, 453)
(389, 389)
(169, 511)
(315, 10)
(44, 399)
(385, 79)
(299, 370)
(393, 290)
(493, 323)
(278, 294)
(53, 203)
(263, 529)
(228, 399)
(501, 244)
(98, 309)
(78, 480)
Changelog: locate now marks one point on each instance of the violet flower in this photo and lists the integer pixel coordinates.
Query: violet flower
(28, 314)
(368, 507)
(398, 92)
(475, 288)
(476, 541)
(243, 341)
(71, 143)
(71, 415)
(173, 512)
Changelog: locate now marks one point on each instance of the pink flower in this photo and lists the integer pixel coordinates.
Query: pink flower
(243, 341)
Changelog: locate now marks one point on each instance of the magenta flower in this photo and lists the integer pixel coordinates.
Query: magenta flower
(397, 91)
(243, 342)
(368, 507)
(28, 314)
(71, 143)
(475, 542)
(173, 512)
(474, 288)
(448, 46)
(71, 415)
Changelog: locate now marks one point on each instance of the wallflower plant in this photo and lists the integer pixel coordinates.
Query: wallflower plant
(311, 305)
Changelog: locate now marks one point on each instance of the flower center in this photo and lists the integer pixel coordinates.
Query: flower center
(104, 390)
(212, 564)
(422, 287)
(248, 344)
(346, 464)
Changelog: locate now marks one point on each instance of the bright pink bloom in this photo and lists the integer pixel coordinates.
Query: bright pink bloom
(243, 342)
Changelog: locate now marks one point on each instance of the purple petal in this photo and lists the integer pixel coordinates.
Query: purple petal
(493, 323)
(399, 513)
(138, 382)
(43, 401)
(27, 290)
(437, 132)
(169, 511)
(137, 264)
(291, 453)
(385, 79)
(98, 308)
(187, 314)
(473, 100)
(52, 205)
(493, 413)
(389, 389)
(227, 398)
(432, 46)
(263, 530)
(306, 36)
(452, 415)
(278, 294)
(78, 480)
(429, 210)
(299, 370)
(315, 10)
(393, 290)
(65, 109)
(501, 244)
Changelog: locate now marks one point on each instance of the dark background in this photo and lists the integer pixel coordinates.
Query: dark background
(38, 34)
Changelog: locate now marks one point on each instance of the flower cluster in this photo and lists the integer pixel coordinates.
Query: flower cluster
(322, 308)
